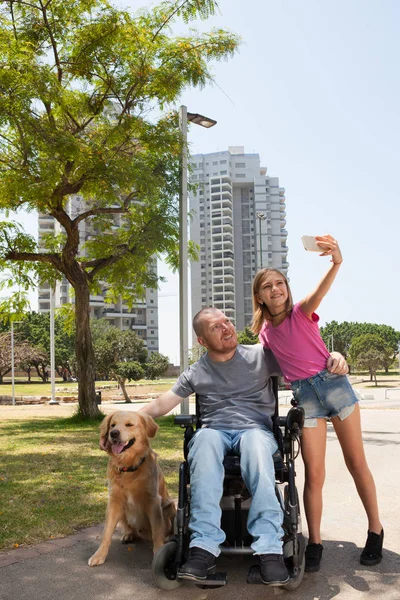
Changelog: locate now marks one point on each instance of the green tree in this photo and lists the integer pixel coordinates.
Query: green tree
(127, 371)
(196, 352)
(156, 365)
(22, 353)
(87, 136)
(342, 334)
(369, 351)
(120, 355)
(35, 328)
(247, 337)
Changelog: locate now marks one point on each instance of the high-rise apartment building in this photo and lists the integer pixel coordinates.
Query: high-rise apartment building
(239, 223)
(142, 318)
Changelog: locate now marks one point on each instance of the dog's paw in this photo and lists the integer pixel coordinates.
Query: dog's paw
(96, 560)
(127, 538)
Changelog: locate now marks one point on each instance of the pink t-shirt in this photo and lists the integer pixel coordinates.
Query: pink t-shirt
(297, 345)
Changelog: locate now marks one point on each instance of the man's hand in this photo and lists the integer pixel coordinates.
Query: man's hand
(337, 364)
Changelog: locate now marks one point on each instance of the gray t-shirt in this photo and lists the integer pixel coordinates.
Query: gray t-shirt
(236, 394)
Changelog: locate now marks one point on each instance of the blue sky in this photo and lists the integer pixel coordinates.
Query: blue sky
(314, 89)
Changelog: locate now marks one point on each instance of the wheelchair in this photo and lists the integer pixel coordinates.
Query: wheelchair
(235, 505)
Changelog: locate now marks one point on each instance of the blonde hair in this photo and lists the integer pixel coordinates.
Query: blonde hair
(260, 311)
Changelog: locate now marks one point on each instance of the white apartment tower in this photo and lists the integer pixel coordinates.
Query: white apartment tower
(142, 318)
(239, 223)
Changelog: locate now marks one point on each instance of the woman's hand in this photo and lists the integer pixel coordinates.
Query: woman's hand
(330, 247)
(337, 364)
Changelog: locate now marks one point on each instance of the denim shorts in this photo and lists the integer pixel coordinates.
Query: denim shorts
(323, 396)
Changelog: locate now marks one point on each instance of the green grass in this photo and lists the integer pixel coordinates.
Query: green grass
(38, 388)
(53, 476)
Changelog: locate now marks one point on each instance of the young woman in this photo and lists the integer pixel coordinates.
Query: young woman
(292, 333)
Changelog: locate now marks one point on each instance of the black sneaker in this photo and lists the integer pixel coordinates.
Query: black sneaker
(273, 569)
(313, 557)
(372, 553)
(199, 564)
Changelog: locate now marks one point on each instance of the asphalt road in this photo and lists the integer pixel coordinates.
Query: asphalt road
(63, 574)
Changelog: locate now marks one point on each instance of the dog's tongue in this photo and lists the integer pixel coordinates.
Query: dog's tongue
(117, 448)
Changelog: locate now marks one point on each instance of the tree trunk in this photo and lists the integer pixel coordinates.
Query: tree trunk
(123, 388)
(40, 374)
(88, 408)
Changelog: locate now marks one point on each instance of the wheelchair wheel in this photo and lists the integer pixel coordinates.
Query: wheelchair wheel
(163, 568)
(296, 581)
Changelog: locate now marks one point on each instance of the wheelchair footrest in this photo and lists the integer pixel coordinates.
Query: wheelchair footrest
(215, 579)
(254, 574)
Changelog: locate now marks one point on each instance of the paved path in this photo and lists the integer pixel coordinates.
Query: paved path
(57, 569)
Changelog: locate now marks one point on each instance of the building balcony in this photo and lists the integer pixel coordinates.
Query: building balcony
(96, 299)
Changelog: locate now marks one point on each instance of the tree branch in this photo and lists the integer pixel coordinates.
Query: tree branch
(171, 16)
(52, 39)
(49, 258)
(102, 211)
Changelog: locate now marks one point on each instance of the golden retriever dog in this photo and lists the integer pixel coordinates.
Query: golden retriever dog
(138, 498)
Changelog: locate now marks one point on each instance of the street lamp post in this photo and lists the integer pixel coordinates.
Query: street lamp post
(261, 217)
(12, 362)
(52, 349)
(184, 117)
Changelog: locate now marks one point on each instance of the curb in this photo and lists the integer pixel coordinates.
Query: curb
(22, 553)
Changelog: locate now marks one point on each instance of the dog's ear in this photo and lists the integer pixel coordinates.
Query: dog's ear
(150, 425)
(104, 428)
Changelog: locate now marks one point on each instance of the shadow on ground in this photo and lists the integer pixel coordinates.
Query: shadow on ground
(127, 573)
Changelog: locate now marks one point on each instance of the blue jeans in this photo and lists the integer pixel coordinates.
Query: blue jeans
(206, 454)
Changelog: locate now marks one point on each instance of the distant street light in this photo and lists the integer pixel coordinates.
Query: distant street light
(52, 349)
(184, 117)
(261, 217)
(12, 362)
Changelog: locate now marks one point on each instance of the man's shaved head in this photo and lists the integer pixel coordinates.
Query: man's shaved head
(199, 319)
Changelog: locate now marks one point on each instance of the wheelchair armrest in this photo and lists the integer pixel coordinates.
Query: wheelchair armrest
(185, 420)
(295, 418)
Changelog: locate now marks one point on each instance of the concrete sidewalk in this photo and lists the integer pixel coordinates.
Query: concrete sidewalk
(57, 569)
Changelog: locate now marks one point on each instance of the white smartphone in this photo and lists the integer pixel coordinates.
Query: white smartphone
(310, 243)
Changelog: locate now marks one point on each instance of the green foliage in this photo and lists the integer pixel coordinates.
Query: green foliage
(343, 334)
(156, 365)
(369, 351)
(79, 85)
(196, 352)
(113, 347)
(130, 371)
(90, 137)
(247, 337)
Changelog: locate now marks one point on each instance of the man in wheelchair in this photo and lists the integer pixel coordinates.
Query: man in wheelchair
(236, 402)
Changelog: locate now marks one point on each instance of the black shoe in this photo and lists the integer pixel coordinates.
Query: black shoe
(313, 557)
(199, 564)
(372, 553)
(273, 569)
